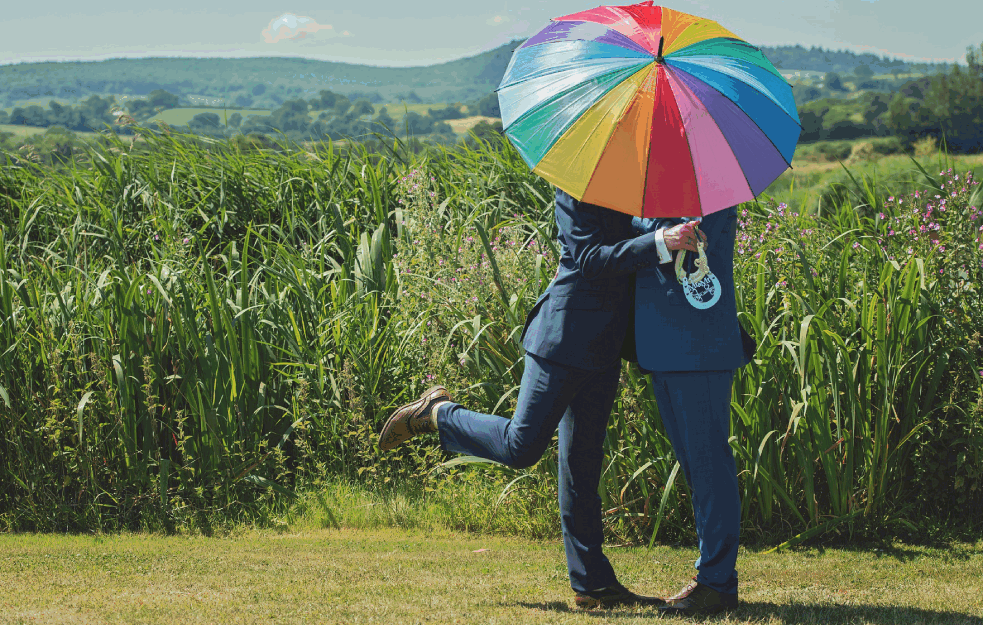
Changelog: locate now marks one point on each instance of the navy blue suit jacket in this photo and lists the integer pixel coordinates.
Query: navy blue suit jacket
(584, 318)
(672, 335)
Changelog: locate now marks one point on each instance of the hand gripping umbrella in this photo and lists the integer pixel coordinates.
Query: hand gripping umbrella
(648, 111)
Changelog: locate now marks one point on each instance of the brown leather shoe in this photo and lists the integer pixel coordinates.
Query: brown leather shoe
(697, 599)
(411, 419)
(612, 597)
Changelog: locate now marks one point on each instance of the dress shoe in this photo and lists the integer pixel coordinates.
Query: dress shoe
(612, 597)
(698, 599)
(412, 419)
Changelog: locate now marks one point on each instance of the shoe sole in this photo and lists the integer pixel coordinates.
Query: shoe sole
(590, 603)
(412, 408)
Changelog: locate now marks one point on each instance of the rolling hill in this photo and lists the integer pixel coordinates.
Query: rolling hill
(267, 82)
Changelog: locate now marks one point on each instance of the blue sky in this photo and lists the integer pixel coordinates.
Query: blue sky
(423, 32)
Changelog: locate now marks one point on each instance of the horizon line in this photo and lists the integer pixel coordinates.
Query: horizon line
(904, 58)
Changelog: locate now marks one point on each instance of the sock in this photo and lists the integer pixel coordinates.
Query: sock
(433, 413)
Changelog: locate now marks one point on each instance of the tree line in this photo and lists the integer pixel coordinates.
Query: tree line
(91, 114)
(947, 106)
(335, 116)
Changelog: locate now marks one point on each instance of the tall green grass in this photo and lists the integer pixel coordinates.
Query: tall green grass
(195, 330)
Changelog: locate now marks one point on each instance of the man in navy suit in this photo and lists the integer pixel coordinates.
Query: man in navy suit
(691, 355)
(574, 339)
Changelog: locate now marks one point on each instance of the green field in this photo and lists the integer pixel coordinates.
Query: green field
(22, 131)
(371, 576)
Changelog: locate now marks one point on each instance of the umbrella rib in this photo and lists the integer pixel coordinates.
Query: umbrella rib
(721, 130)
(754, 82)
(675, 64)
(565, 92)
(572, 67)
(724, 95)
(624, 111)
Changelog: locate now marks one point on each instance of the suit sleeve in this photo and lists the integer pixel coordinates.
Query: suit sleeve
(581, 227)
(643, 225)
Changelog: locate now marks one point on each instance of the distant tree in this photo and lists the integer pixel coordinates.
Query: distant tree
(916, 88)
(341, 105)
(833, 81)
(863, 72)
(59, 115)
(291, 116)
(443, 132)
(805, 93)
(318, 131)
(908, 119)
(94, 112)
(235, 120)
(244, 101)
(140, 109)
(838, 125)
(451, 111)
(412, 98)
(257, 125)
(955, 102)
(812, 123)
(383, 123)
(259, 89)
(372, 96)
(877, 107)
(325, 100)
(32, 115)
(488, 106)
(415, 124)
(483, 131)
(4, 117)
(160, 99)
(206, 123)
(362, 107)
(58, 143)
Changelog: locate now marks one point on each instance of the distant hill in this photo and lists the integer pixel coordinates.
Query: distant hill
(268, 82)
(821, 60)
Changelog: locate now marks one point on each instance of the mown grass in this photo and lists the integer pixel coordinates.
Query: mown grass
(397, 576)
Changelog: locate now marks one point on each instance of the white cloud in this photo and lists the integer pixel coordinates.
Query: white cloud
(498, 20)
(293, 27)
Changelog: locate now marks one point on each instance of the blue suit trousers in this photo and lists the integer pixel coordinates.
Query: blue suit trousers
(695, 410)
(552, 395)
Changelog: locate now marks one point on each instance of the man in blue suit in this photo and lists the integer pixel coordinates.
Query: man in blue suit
(574, 339)
(691, 355)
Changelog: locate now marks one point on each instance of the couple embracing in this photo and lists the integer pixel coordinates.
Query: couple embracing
(616, 295)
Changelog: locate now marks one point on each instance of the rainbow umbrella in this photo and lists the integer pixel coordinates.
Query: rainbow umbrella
(648, 111)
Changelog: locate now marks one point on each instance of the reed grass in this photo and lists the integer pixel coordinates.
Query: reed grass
(193, 330)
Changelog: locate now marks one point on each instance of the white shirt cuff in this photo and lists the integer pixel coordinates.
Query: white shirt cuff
(660, 244)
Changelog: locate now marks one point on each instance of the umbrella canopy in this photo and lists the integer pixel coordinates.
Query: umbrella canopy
(648, 111)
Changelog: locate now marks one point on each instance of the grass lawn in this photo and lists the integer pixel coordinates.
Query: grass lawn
(396, 576)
